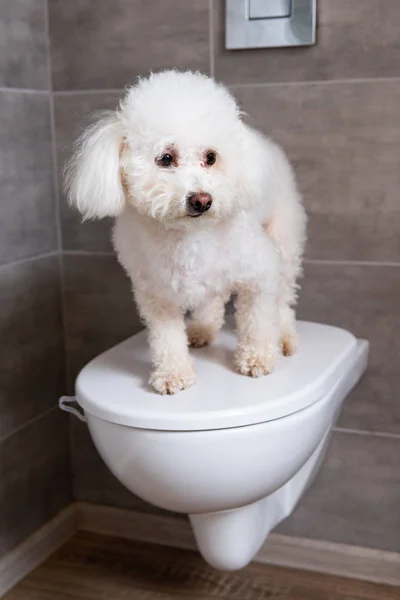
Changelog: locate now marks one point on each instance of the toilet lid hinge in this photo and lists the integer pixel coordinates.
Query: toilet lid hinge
(66, 403)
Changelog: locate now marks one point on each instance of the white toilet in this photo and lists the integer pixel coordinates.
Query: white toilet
(234, 453)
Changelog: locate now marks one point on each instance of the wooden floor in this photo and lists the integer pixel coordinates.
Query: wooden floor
(92, 567)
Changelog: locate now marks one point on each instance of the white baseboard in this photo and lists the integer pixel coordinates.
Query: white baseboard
(299, 553)
(35, 549)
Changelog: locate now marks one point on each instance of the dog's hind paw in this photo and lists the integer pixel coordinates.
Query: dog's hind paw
(289, 343)
(254, 363)
(172, 382)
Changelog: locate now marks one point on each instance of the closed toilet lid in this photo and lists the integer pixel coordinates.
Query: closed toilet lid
(114, 385)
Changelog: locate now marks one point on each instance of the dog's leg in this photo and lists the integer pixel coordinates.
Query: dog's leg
(287, 316)
(257, 320)
(206, 321)
(173, 369)
(290, 250)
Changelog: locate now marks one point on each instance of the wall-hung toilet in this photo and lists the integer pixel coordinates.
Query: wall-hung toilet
(236, 454)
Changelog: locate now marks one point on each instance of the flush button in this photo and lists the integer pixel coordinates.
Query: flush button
(269, 9)
(270, 23)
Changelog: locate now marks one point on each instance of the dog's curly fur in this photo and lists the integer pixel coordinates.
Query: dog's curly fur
(249, 243)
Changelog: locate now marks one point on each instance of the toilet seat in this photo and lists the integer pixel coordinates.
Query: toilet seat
(113, 386)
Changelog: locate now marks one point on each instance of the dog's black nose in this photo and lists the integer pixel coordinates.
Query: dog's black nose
(199, 203)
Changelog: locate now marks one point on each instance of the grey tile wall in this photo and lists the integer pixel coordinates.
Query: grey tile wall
(32, 356)
(100, 311)
(72, 114)
(27, 205)
(363, 299)
(344, 141)
(35, 477)
(23, 44)
(356, 495)
(109, 46)
(354, 40)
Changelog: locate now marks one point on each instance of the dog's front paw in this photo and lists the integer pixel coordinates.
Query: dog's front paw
(172, 382)
(289, 342)
(199, 335)
(255, 363)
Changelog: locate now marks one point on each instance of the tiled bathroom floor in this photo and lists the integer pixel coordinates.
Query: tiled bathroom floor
(92, 567)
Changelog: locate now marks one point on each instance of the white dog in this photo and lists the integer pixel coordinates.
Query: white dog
(205, 207)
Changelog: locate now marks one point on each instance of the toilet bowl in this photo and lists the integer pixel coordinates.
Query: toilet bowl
(234, 453)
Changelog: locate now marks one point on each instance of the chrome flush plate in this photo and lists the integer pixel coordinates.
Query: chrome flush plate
(270, 23)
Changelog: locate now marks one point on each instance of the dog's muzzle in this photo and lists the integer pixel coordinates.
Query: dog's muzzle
(198, 203)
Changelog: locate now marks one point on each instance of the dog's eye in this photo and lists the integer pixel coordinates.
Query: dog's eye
(165, 160)
(211, 157)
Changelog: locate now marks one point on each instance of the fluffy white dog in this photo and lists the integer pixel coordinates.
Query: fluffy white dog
(205, 207)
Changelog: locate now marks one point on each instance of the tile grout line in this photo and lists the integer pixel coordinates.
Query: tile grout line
(234, 85)
(90, 91)
(64, 320)
(27, 424)
(28, 259)
(57, 202)
(344, 430)
(55, 172)
(88, 253)
(52, 128)
(365, 432)
(211, 37)
(310, 261)
(99, 253)
(13, 90)
(314, 82)
(362, 263)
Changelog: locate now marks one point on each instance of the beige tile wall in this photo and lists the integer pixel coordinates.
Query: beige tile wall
(334, 109)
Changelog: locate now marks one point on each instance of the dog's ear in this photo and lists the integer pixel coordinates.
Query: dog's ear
(92, 176)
